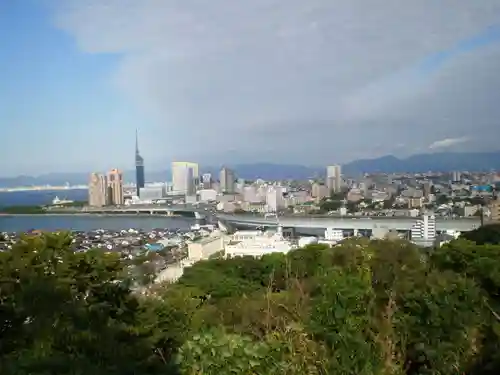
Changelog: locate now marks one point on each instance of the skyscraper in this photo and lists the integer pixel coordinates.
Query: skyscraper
(139, 166)
(227, 180)
(115, 187)
(334, 178)
(98, 190)
(184, 177)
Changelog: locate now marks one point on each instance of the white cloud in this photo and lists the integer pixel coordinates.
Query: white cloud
(291, 76)
(447, 142)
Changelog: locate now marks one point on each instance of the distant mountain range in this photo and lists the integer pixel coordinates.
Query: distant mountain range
(443, 162)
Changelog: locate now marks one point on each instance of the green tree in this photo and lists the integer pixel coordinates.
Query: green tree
(330, 205)
(341, 317)
(66, 312)
(486, 234)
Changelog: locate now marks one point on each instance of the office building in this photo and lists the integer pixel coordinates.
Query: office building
(98, 190)
(227, 180)
(424, 230)
(456, 176)
(115, 187)
(139, 167)
(426, 187)
(184, 177)
(150, 193)
(334, 178)
(274, 199)
(206, 181)
(250, 194)
(319, 191)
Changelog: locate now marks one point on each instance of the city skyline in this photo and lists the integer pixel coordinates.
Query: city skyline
(284, 80)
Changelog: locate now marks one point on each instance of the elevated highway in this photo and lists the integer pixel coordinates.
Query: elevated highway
(169, 210)
(308, 223)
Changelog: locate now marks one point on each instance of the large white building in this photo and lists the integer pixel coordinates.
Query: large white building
(184, 177)
(257, 244)
(153, 192)
(205, 247)
(207, 195)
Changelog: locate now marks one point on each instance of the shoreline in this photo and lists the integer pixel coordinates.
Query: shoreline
(94, 215)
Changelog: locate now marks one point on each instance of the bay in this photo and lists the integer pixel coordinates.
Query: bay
(24, 223)
(40, 197)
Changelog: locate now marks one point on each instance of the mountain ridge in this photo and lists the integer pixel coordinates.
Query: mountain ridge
(438, 162)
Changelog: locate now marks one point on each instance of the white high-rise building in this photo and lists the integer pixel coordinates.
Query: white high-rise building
(424, 230)
(185, 177)
(274, 199)
(334, 178)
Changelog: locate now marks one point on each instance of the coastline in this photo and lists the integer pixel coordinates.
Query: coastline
(88, 214)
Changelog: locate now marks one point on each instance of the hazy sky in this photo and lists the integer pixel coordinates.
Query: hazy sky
(225, 81)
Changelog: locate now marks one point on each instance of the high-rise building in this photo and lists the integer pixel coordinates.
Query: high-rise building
(456, 176)
(227, 180)
(139, 167)
(184, 177)
(274, 199)
(206, 181)
(98, 190)
(115, 187)
(334, 178)
(424, 230)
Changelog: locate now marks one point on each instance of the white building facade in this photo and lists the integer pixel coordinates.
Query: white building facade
(423, 230)
(274, 199)
(334, 178)
(185, 176)
(257, 244)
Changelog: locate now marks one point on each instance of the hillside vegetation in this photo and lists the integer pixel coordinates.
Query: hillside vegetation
(367, 308)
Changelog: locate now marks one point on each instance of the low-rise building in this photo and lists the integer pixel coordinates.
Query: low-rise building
(257, 244)
(208, 195)
(205, 247)
(495, 210)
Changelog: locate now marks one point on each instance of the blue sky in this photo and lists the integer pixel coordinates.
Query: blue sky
(483, 39)
(232, 82)
(55, 100)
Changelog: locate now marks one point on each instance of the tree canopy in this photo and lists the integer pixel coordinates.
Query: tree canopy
(363, 307)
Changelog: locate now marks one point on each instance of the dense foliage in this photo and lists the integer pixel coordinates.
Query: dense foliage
(379, 307)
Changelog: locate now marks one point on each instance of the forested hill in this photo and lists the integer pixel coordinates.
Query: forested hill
(368, 308)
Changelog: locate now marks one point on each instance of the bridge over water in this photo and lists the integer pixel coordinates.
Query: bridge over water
(167, 210)
(301, 223)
